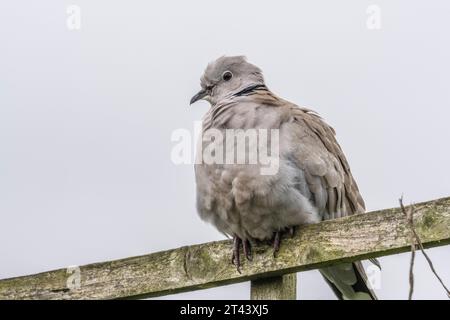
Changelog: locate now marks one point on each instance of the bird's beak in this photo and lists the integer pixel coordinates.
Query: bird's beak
(200, 95)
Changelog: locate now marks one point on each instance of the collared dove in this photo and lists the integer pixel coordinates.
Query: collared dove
(312, 182)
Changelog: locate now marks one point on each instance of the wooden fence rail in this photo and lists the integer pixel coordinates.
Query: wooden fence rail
(358, 237)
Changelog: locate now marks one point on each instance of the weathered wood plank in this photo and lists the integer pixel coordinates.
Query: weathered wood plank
(275, 288)
(208, 265)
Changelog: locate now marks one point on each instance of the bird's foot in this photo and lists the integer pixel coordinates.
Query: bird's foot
(291, 231)
(236, 258)
(248, 250)
(247, 247)
(276, 243)
(277, 239)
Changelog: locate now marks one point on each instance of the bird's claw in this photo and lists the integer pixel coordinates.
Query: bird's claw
(292, 231)
(276, 243)
(277, 239)
(248, 250)
(236, 258)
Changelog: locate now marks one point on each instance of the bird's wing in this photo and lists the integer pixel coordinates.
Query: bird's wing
(333, 191)
(325, 166)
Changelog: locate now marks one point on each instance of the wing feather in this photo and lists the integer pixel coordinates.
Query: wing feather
(326, 161)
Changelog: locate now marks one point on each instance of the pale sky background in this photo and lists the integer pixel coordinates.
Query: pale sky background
(86, 118)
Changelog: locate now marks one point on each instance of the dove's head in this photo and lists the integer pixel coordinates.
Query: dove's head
(227, 76)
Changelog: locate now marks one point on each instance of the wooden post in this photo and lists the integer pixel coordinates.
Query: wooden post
(275, 288)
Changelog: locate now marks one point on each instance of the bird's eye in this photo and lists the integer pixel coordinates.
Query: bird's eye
(227, 75)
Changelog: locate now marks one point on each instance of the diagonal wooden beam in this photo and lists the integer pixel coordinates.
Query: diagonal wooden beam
(370, 235)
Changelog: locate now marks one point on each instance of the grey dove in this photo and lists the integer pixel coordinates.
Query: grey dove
(312, 182)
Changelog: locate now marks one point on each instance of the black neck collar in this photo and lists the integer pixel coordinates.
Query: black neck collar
(249, 90)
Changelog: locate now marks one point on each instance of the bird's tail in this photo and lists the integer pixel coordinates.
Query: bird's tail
(349, 281)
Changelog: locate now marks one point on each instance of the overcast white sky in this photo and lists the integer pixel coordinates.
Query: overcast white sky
(86, 118)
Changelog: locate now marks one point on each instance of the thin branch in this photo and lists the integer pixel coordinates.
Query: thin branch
(409, 216)
(411, 272)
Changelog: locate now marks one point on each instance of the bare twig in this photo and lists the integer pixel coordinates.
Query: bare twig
(410, 218)
(409, 214)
